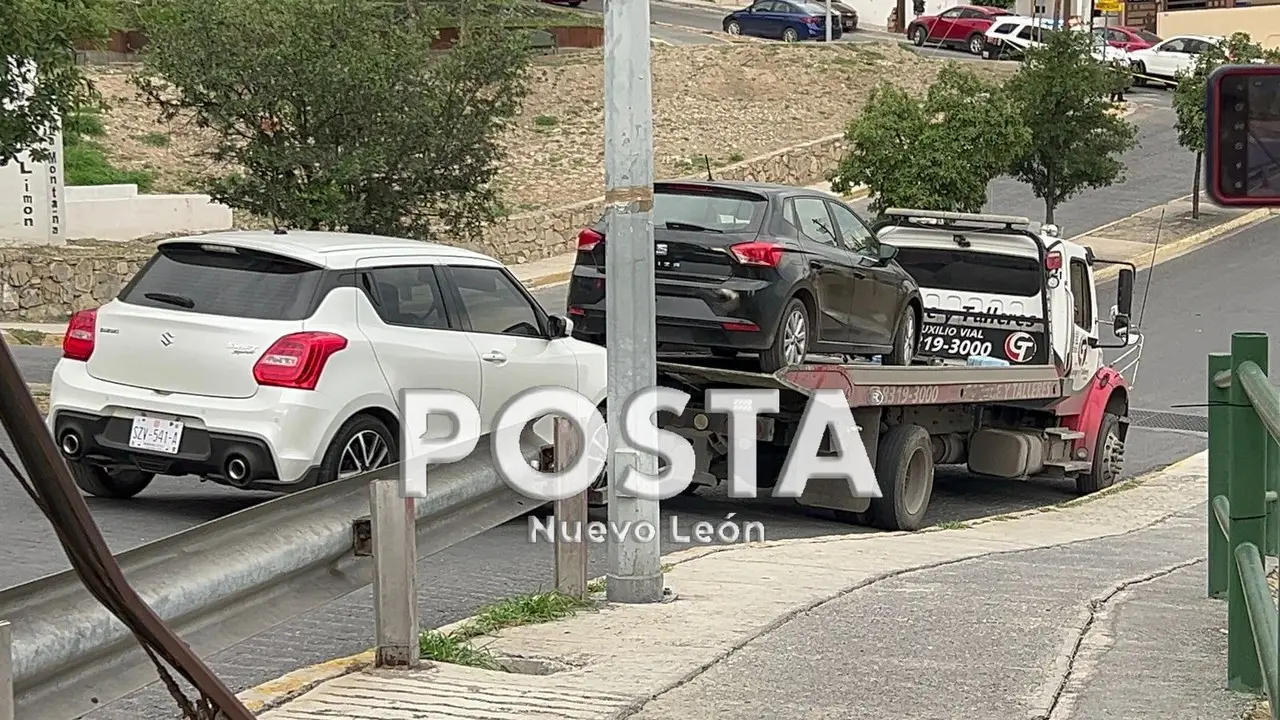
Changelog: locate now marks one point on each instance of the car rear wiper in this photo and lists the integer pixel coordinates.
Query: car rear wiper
(179, 300)
(676, 225)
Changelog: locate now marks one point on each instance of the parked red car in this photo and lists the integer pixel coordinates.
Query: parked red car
(1127, 39)
(963, 26)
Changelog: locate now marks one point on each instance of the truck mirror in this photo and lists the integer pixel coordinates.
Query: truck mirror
(1124, 293)
(1242, 129)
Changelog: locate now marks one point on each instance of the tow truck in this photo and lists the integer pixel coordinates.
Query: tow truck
(1050, 405)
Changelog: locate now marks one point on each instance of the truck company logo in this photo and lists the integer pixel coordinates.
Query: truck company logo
(1019, 346)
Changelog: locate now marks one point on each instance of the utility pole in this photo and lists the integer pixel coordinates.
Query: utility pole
(828, 20)
(635, 566)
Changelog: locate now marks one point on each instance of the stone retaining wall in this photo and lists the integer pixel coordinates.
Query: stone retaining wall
(47, 284)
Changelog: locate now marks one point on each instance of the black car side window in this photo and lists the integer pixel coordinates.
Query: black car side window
(810, 216)
(855, 235)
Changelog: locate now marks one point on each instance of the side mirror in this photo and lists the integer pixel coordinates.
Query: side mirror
(887, 253)
(560, 326)
(1120, 323)
(1243, 137)
(1124, 292)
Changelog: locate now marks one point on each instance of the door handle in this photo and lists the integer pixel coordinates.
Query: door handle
(817, 265)
(495, 357)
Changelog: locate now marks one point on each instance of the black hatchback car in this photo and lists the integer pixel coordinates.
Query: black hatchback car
(773, 270)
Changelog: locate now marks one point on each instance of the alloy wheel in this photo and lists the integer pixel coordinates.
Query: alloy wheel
(734, 29)
(909, 338)
(365, 451)
(795, 338)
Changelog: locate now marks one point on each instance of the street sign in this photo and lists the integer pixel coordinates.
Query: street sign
(1108, 6)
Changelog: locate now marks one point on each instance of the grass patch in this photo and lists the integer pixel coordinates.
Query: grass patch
(85, 162)
(26, 337)
(457, 647)
(546, 121)
(154, 139)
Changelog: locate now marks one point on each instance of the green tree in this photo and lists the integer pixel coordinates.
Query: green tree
(938, 152)
(1063, 98)
(40, 82)
(1192, 90)
(338, 114)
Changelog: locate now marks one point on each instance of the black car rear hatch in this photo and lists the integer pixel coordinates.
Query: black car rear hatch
(694, 228)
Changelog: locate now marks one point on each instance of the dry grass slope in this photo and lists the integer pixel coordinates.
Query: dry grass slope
(727, 102)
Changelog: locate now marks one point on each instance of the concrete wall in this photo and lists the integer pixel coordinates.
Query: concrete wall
(119, 212)
(1262, 23)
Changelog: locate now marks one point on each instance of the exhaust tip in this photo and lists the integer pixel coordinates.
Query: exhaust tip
(70, 444)
(237, 469)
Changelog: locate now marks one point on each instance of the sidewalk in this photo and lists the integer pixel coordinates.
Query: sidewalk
(1092, 611)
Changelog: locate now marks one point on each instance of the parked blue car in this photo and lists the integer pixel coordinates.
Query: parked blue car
(786, 21)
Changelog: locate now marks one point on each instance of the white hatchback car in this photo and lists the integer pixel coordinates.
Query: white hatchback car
(1163, 62)
(276, 361)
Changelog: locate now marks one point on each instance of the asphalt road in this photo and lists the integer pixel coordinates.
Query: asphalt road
(1189, 307)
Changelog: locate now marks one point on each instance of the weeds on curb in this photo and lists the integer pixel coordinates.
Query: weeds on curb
(26, 337)
(457, 647)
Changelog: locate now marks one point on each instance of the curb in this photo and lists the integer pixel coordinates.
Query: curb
(274, 693)
(1181, 247)
(49, 340)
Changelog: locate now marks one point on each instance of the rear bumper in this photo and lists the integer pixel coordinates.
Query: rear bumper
(737, 314)
(277, 432)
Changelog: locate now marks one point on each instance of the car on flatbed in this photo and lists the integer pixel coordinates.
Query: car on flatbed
(1042, 401)
(772, 270)
(277, 361)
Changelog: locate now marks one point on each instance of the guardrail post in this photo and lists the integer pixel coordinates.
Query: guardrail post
(1248, 490)
(393, 519)
(7, 709)
(570, 513)
(1219, 554)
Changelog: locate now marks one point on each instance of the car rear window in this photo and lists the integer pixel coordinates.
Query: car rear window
(1149, 37)
(717, 209)
(223, 280)
(961, 271)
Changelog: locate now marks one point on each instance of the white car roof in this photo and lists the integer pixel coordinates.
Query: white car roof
(335, 249)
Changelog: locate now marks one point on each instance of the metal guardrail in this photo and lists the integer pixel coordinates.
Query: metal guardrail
(228, 580)
(1244, 521)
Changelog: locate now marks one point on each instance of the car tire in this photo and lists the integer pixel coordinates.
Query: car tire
(905, 339)
(98, 481)
(733, 27)
(1108, 457)
(904, 469)
(790, 35)
(791, 341)
(360, 435)
(1139, 74)
(975, 44)
(919, 35)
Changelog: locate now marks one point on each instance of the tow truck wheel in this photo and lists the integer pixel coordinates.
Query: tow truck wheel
(1108, 458)
(904, 469)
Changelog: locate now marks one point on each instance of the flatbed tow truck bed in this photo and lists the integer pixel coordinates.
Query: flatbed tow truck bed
(1003, 422)
(869, 385)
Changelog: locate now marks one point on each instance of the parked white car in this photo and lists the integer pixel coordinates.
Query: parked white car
(1016, 34)
(1162, 62)
(276, 361)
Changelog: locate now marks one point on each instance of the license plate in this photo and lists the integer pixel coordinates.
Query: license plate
(156, 434)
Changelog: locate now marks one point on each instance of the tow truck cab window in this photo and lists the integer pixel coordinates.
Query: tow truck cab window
(1080, 293)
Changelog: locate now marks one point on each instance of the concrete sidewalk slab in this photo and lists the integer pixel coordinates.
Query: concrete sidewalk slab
(730, 596)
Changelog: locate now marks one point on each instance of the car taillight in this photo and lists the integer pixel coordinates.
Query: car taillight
(760, 254)
(588, 239)
(296, 361)
(1053, 261)
(77, 343)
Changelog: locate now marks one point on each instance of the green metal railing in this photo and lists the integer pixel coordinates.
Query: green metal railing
(1244, 525)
